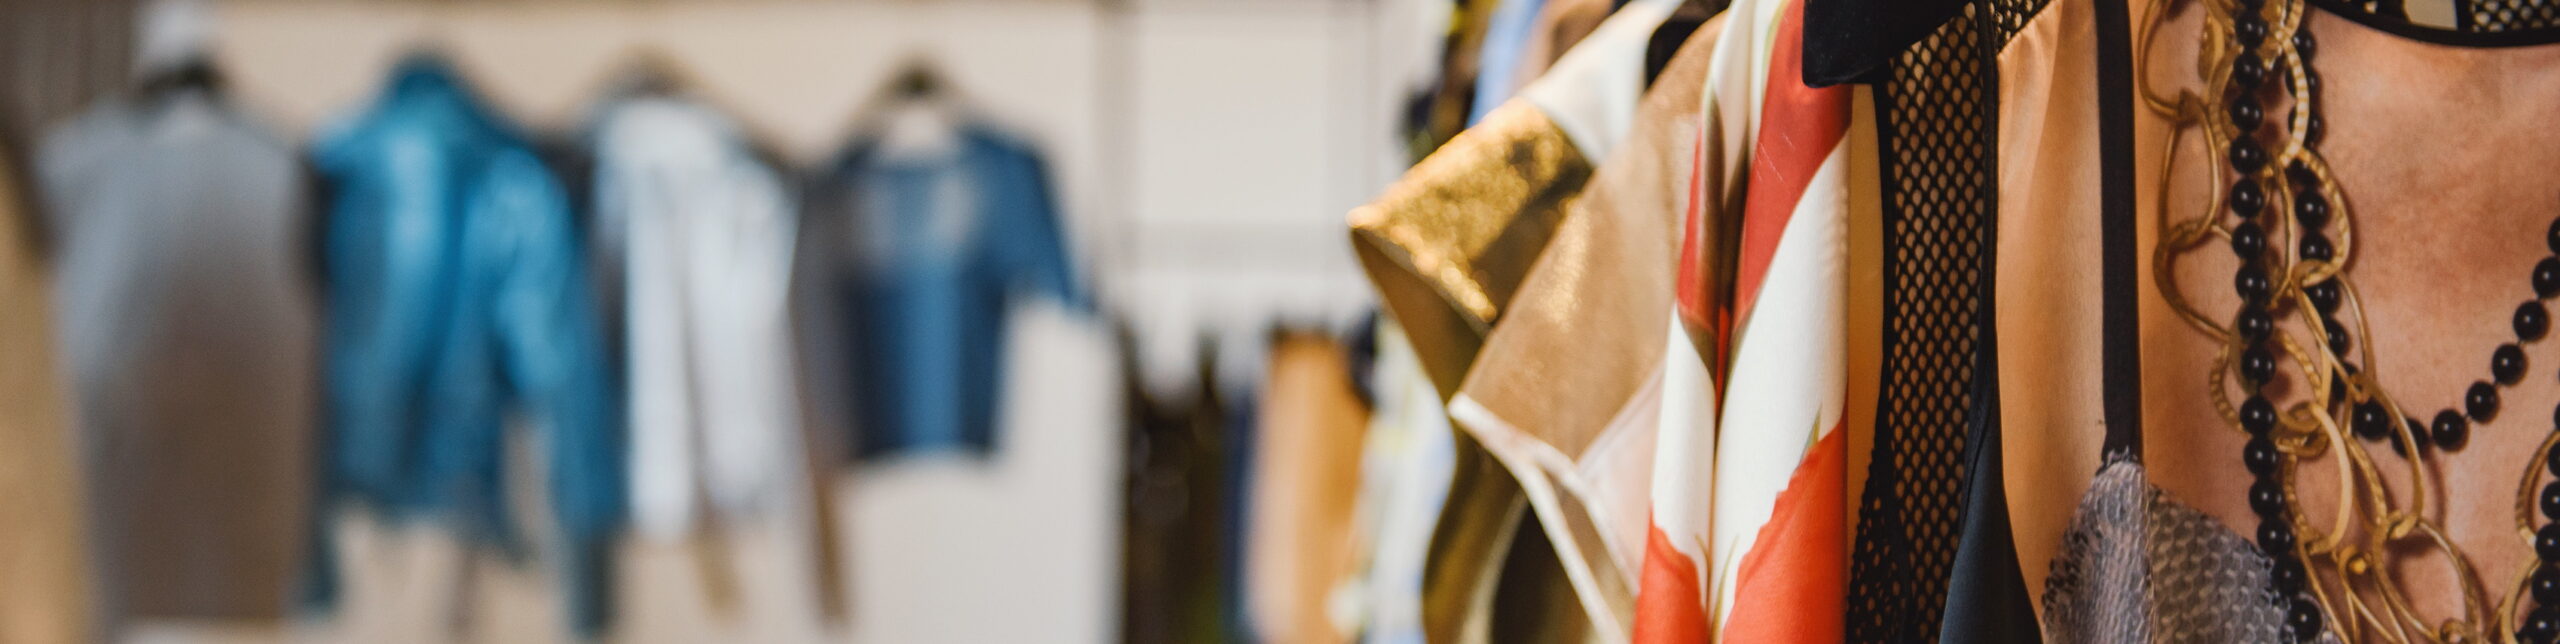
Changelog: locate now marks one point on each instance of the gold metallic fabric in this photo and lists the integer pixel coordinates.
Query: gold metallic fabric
(1570, 353)
(1449, 243)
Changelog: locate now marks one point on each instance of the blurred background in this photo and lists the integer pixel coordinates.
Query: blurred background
(690, 320)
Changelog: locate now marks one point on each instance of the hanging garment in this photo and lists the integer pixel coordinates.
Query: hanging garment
(928, 246)
(2423, 145)
(1560, 25)
(458, 295)
(1773, 356)
(1174, 568)
(1405, 464)
(1507, 35)
(706, 232)
(1448, 108)
(44, 584)
(179, 232)
(2114, 556)
(1933, 558)
(1304, 477)
(1565, 390)
(1447, 247)
(1940, 558)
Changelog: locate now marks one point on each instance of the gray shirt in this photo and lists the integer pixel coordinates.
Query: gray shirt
(186, 319)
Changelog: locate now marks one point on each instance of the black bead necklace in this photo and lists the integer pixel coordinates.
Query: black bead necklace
(2507, 366)
(2369, 417)
(2255, 321)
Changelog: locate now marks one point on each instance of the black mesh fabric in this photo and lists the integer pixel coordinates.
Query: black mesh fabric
(1936, 128)
(1935, 125)
(2508, 15)
(2007, 18)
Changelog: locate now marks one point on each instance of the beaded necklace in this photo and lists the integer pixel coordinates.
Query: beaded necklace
(2253, 52)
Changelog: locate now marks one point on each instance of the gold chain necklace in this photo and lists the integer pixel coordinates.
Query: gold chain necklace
(2252, 48)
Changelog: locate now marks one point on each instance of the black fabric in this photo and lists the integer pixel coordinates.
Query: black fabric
(2119, 281)
(1934, 560)
(2477, 23)
(1936, 125)
(1175, 508)
(1855, 41)
(1987, 598)
(1667, 39)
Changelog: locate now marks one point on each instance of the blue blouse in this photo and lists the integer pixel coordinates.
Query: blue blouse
(927, 252)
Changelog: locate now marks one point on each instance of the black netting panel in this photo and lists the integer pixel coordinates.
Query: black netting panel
(1935, 128)
(2508, 15)
(2007, 17)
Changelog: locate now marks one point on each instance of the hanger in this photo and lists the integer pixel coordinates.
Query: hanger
(172, 49)
(652, 72)
(917, 88)
(918, 81)
(193, 73)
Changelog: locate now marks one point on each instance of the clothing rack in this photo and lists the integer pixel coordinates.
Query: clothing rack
(1091, 83)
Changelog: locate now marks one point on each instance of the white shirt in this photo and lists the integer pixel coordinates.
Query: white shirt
(705, 233)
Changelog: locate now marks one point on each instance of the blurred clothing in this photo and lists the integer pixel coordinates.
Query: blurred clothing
(1560, 24)
(1175, 559)
(458, 296)
(186, 323)
(1449, 247)
(1447, 109)
(1299, 548)
(929, 246)
(1576, 428)
(1507, 37)
(1405, 464)
(44, 586)
(706, 235)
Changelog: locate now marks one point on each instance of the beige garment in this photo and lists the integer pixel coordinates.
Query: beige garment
(1560, 24)
(1447, 247)
(1306, 474)
(2444, 156)
(1566, 381)
(44, 593)
(2047, 278)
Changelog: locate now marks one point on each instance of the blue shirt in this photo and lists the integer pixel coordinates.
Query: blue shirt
(928, 252)
(457, 298)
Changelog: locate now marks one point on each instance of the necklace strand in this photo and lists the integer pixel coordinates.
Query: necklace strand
(2246, 45)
